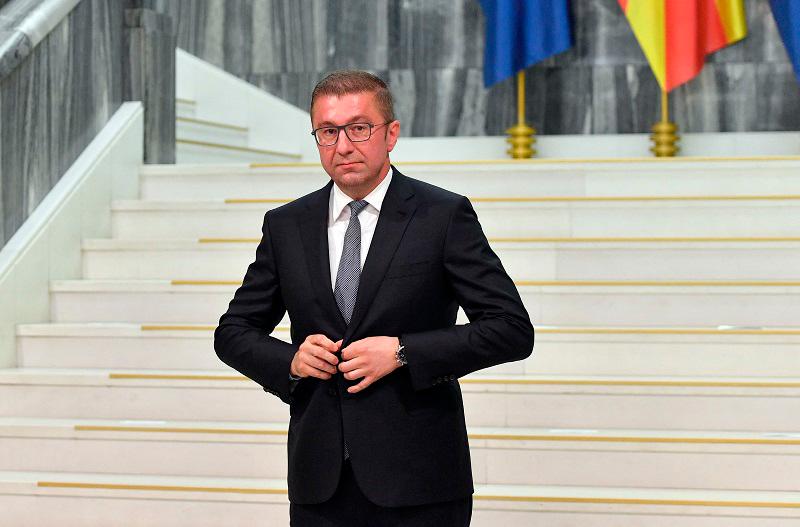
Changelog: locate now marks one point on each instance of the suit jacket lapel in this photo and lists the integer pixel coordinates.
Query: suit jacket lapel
(314, 234)
(397, 209)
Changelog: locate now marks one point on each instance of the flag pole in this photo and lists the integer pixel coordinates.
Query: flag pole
(521, 135)
(664, 134)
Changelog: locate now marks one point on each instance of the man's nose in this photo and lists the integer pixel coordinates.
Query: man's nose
(344, 145)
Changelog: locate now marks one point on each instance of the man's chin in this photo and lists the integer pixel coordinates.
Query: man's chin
(349, 175)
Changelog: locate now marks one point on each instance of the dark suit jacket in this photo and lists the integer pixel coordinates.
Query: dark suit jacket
(406, 432)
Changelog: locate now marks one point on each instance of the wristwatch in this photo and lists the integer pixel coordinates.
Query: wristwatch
(400, 355)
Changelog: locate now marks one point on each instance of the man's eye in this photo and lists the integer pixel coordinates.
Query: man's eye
(358, 128)
(329, 131)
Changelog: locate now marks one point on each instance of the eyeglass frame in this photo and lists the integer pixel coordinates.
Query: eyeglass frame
(344, 127)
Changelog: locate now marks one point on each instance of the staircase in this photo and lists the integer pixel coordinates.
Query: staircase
(664, 387)
(214, 141)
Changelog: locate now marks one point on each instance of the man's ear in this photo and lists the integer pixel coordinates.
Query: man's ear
(392, 135)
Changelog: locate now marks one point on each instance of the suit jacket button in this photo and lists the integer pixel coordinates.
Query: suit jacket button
(332, 392)
(452, 377)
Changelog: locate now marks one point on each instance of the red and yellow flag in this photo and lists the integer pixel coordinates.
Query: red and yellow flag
(676, 35)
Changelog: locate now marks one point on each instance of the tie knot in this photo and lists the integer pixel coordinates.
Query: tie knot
(357, 206)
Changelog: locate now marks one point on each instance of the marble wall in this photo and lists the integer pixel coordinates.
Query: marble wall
(431, 52)
(57, 98)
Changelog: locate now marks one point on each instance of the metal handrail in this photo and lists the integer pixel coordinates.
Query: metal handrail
(25, 23)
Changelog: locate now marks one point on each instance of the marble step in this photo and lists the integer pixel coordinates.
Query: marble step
(87, 499)
(643, 402)
(624, 177)
(185, 107)
(211, 131)
(511, 456)
(190, 150)
(524, 260)
(561, 303)
(557, 351)
(500, 217)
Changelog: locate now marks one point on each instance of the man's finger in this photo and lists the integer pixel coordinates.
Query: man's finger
(351, 351)
(323, 341)
(355, 374)
(350, 365)
(318, 374)
(323, 354)
(360, 386)
(315, 369)
(321, 365)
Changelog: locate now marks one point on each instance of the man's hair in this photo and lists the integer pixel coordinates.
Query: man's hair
(346, 82)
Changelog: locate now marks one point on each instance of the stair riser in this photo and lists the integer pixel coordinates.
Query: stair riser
(191, 153)
(699, 262)
(544, 463)
(213, 134)
(491, 181)
(547, 407)
(582, 356)
(201, 510)
(650, 219)
(558, 306)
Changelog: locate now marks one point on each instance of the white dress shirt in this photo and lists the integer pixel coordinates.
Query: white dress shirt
(339, 218)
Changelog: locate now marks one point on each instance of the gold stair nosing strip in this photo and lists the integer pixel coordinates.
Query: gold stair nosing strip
(212, 123)
(475, 436)
(229, 201)
(167, 327)
(584, 283)
(642, 501)
(669, 331)
(586, 239)
(184, 488)
(236, 148)
(177, 377)
(477, 496)
(536, 382)
(188, 327)
(580, 331)
(678, 384)
(232, 431)
(185, 101)
(560, 161)
(787, 197)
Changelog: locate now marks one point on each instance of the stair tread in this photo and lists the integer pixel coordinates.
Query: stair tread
(482, 491)
(112, 244)
(672, 286)
(11, 426)
(12, 375)
(129, 328)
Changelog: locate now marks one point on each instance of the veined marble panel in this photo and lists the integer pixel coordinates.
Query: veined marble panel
(431, 52)
(55, 101)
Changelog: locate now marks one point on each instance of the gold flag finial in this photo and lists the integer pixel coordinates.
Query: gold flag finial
(665, 133)
(521, 136)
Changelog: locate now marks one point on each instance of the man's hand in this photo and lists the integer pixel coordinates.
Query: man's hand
(315, 358)
(370, 358)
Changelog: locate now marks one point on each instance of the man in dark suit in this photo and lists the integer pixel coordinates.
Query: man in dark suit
(372, 269)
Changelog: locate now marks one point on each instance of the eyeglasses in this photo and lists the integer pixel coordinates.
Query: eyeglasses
(356, 133)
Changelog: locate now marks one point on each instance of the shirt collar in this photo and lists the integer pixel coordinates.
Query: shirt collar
(339, 200)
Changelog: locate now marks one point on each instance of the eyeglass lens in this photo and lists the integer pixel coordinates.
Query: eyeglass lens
(354, 131)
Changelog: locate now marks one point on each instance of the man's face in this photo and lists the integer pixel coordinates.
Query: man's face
(355, 167)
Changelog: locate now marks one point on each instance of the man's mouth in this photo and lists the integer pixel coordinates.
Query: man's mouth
(347, 165)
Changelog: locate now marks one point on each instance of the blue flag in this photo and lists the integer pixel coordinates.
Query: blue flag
(787, 16)
(520, 33)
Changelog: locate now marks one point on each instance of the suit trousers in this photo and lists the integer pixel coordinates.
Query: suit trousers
(349, 507)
